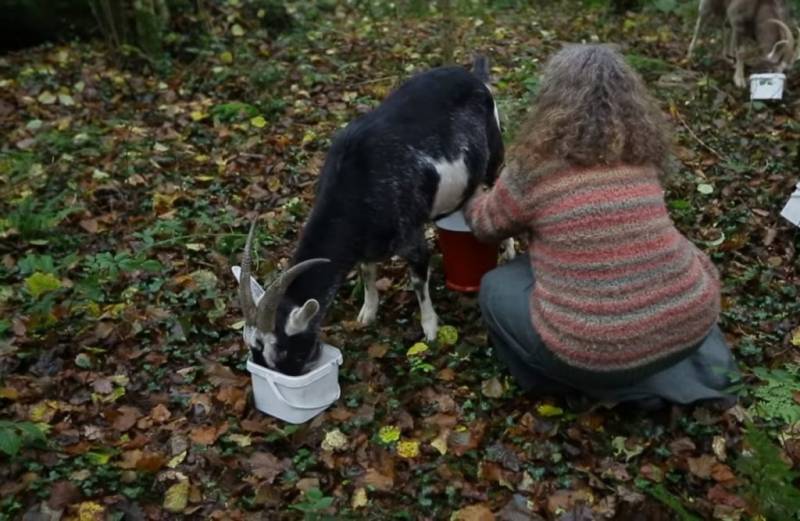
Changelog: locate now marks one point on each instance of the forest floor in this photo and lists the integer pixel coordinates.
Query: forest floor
(127, 186)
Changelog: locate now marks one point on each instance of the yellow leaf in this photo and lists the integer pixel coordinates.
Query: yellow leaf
(237, 30)
(46, 98)
(9, 393)
(447, 335)
(226, 57)
(549, 410)
(389, 434)
(177, 496)
(197, 115)
(177, 460)
(241, 440)
(334, 440)
(43, 411)
(796, 337)
(258, 121)
(440, 444)
(416, 349)
(90, 511)
(40, 283)
(359, 498)
(408, 449)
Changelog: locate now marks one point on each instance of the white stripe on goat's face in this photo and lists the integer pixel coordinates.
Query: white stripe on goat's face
(453, 180)
(266, 343)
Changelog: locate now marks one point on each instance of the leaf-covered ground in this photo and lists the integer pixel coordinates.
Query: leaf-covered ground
(126, 188)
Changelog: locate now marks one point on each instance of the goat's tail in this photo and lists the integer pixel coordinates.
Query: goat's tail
(480, 68)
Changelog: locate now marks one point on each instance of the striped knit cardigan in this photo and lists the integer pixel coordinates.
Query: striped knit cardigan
(617, 287)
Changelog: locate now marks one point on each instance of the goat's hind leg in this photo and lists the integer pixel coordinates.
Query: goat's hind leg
(418, 256)
(370, 308)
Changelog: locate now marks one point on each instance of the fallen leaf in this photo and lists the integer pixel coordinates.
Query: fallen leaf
(176, 497)
(548, 410)
(477, 512)
(359, 498)
(91, 511)
(266, 466)
(207, 434)
(408, 449)
(160, 413)
(63, 493)
(492, 388)
(701, 466)
(417, 349)
(377, 350)
(722, 473)
(334, 440)
(378, 481)
(124, 417)
(447, 335)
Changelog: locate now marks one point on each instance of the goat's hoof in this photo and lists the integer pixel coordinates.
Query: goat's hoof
(430, 326)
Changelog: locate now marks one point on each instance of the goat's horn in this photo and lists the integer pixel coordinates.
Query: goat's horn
(245, 289)
(786, 34)
(268, 305)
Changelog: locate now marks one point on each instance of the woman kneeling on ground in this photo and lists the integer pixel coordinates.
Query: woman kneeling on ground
(611, 301)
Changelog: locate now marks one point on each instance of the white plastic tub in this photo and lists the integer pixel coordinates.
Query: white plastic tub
(766, 86)
(295, 399)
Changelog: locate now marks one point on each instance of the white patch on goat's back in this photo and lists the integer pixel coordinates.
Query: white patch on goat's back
(496, 114)
(453, 180)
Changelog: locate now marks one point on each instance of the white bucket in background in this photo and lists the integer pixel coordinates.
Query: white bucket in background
(295, 399)
(766, 86)
(791, 212)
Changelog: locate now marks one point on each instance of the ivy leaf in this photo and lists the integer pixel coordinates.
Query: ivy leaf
(389, 434)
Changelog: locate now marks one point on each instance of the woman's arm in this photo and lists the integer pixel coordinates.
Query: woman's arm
(496, 213)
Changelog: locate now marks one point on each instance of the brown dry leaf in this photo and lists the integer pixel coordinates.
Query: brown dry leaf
(465, 439)
(340, 414)
(143, 461)
(266, 466)
(160, 413)
(378, 481)
(722, 473)
(562, 500)
(124, 418)
(62, 494)
(447, 374)
(682, 445)
(377, 350)
(234, 397)
(701, 467)
(306, 484)
(207, 434)
(479, 512)
(720, 496)
(90, 225)
(219, 374)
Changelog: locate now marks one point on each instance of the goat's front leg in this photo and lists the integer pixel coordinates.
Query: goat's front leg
(370, 308)
(738, 75)
(418, 257)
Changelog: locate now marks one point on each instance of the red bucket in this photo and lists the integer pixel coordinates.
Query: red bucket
(466, 259)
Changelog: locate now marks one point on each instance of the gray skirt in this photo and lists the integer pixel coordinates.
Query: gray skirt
(703, 374)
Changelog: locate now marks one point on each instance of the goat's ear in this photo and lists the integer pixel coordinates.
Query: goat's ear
(301, 317)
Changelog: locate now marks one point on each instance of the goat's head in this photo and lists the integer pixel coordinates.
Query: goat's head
(786, 50)
(278, 331)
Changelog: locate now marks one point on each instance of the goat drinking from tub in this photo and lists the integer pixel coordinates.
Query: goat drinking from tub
(414, 158)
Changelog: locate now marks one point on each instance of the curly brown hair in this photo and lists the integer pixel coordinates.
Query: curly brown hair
(591, 109)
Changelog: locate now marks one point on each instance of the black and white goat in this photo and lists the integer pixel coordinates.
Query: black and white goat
(414, 158)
